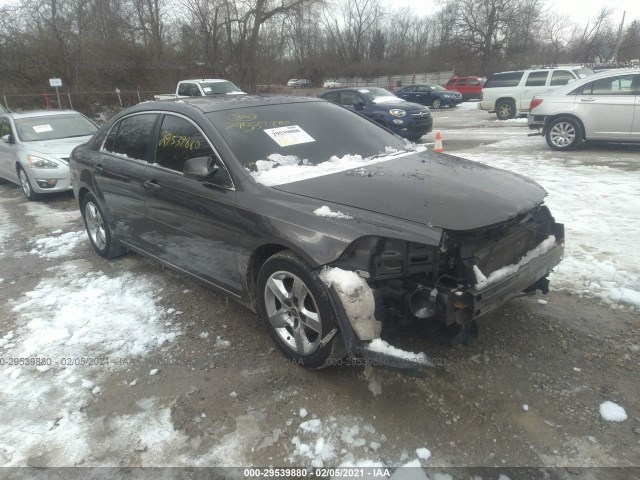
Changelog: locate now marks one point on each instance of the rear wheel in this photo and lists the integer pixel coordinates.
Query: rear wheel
(27, 189)
(564, 133)
(505, 110)
(294, 306)
(98, 229)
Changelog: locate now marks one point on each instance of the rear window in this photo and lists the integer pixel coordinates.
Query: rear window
(501, 80)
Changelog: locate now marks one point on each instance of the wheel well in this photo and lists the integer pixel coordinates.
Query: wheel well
(508, 99)
(564, 115)
(257, 259)
(81, 193)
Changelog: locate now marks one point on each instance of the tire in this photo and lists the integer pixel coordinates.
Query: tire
(505, 110)
(25, 184)
(564, 133)
(297, 325)
(98, 229)
(436, 103)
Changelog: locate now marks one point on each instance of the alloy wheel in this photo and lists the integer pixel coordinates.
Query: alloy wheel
(562, 134)
(95, 226)
(293, 312)
(24, 182)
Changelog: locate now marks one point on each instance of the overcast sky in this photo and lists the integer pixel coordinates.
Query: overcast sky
(579, 11)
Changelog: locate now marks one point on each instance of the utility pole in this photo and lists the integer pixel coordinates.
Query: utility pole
(619, 41)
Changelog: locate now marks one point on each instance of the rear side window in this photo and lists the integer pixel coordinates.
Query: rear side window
(537, 79)
(561, 77)
(501, 80)
(131, 136)
(462, 82)
(622, 85)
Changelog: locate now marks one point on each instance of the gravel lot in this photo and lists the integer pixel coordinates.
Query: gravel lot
(203, 385)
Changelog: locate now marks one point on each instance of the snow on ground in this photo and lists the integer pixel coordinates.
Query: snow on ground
(325, 211)
(48, 218)
(345, 441)
(612, 412)
(593, 192)
(80, 326)
(59, 246)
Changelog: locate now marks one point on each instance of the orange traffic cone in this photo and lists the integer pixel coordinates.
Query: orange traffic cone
(438, 146)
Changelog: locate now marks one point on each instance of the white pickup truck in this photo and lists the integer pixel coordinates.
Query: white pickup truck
(201, 87)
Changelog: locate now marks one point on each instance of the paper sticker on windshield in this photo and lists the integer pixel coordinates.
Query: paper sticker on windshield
(42, 128)
(287, 136)
(206, 89)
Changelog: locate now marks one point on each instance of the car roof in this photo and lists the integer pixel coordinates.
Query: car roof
(210, 80)
(42, 113)
(215, 104)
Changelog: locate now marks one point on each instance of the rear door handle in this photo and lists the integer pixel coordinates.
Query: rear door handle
(152, 185)
(587, 99)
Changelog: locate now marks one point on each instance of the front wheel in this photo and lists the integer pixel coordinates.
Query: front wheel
(436, 103)
(27, 189)
(98, 229)
(294, 306)
(564, 133)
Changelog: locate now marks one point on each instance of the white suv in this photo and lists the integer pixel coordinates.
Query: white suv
(509, 93)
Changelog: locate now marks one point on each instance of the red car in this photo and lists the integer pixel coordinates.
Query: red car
(469, 87)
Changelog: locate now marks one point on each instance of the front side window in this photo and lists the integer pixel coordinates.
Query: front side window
(537, 79)
(462, 82)
(54, 127)
(181, 140)
(349, 98)
(474, 83)
(131, 136)
(5, 127)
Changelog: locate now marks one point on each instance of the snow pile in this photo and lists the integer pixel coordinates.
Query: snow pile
(423, 453)
(380, 346)
(344, 280)
(80, 326)
(508, 270)
(60, 246)
(325, 211)
(335, 441)
(612, 412)
(281, 169)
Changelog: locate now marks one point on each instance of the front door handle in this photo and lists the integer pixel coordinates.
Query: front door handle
(587, 99)
(152, 185)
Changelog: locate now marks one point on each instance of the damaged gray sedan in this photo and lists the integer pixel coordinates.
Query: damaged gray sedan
(330, 227)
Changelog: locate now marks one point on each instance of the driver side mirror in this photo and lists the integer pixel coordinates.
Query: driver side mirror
(200, 168)
(8, 138)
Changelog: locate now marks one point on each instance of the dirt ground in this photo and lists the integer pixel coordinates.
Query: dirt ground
(526, 393)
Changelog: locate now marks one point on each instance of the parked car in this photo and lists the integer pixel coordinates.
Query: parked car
(299, 83)
(331, 84)
(429, 94)
(509, 94)
(35, 148)
(202, 87)
(409, 120)
(604, 107)
(325, 224)
(468, 87)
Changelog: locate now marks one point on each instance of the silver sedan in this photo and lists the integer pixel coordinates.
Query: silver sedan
(35, 148)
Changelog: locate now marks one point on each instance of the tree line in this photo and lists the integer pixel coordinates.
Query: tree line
(152, 43)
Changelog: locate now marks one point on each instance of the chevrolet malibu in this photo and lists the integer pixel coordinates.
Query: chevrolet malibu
(35, 149)
(333, 229)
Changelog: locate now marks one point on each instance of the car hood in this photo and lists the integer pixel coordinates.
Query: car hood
(57, 148)
(432, 189)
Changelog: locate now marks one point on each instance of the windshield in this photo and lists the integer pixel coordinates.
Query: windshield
(218, 88)
(317, 136)
(53, 127)
(437, 88)
(583, 72)
(379, 95)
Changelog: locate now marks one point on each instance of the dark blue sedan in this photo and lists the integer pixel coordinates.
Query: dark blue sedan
(407, 119)
(430, 94)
